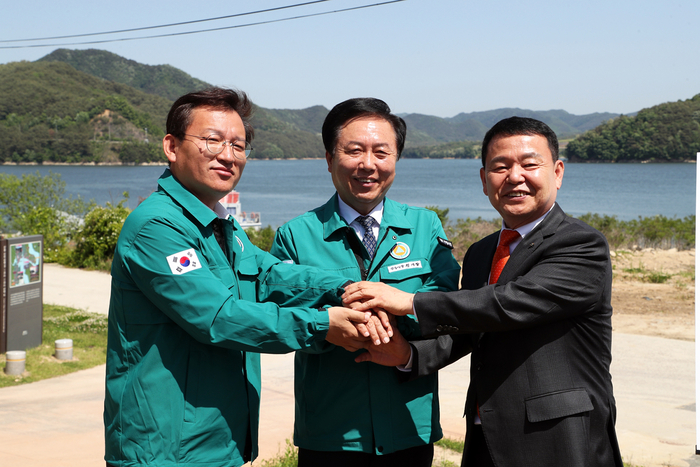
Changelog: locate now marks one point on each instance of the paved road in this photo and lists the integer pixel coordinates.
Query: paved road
(58, 422)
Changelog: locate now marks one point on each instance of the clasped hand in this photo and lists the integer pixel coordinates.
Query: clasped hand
(369, 326)
(364, 296)
(354, 330)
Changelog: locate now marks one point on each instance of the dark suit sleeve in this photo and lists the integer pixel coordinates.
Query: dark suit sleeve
(552, 275)
(429, 355)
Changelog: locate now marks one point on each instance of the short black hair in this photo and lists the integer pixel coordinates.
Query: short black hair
(360, 107)
(180, 115)
(515, 126)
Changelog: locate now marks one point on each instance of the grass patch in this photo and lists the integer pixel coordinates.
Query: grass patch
(289, 458)
(89, 334)
(656, 277)
(456, 445)
(688, 275)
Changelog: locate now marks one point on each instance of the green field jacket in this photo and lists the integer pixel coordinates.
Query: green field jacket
(342, 405)
(185, 323)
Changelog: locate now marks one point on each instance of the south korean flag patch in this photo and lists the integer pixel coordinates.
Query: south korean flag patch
(183, 262)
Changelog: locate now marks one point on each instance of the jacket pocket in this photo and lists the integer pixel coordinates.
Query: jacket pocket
(557, 405)
(192, 386)
(247, 270)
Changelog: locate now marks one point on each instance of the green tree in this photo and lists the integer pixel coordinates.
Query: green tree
(36, 205)
(441, 213)
(262, 238)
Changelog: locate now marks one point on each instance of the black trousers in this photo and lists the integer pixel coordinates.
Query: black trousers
(419, 456)
(478, 453)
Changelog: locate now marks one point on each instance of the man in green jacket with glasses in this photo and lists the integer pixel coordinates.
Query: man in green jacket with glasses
(193, 302)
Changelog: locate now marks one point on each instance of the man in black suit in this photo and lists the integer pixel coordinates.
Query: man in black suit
(537, 323)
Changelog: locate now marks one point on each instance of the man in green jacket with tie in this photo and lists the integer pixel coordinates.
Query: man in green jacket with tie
(350, 414)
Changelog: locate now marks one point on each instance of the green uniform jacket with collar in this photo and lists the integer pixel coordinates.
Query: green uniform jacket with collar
(342, 405)
(183, 381)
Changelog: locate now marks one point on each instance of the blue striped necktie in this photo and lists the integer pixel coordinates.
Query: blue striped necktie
(368, 240)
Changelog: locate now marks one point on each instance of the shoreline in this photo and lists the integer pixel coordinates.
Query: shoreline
(153, 164)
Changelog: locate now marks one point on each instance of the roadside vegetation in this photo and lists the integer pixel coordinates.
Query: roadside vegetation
(645, 232)
(81, 234)
(76, 233)
(659, 232)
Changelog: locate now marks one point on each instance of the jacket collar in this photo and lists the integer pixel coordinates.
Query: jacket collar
(392, 217)
(534, 239)
(182, 196)
(548, 225)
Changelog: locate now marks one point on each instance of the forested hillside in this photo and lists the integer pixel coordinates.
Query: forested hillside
(454, 150)
(50, 112)
(162, 80)
(663, 133)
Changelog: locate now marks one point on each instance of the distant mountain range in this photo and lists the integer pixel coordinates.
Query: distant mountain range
(110, 101)
(170, 83)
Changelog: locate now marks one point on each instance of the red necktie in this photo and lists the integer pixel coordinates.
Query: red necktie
(499, 261)
(502, 253)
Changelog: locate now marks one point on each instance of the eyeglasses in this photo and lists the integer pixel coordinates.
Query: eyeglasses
(216, 145)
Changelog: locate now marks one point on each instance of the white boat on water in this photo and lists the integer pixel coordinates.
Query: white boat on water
(232, 203)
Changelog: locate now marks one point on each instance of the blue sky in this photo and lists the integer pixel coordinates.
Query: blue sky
(436, 57)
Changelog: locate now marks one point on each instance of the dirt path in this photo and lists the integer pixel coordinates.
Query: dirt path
(654, 293)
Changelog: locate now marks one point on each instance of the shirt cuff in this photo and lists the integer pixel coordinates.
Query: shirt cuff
(408, 366)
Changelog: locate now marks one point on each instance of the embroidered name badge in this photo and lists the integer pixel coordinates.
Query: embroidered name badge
(446, 243)
(183, 262)
(402, 266)
(400, 251)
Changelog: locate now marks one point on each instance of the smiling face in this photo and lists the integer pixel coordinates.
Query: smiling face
(520, 178)
(364, 163)
(207, 176)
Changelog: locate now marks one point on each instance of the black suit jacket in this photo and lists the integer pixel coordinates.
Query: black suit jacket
(540, 340)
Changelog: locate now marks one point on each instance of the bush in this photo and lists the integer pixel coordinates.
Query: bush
(645, 232)
(467, 231)
(135, 152)
(97, 240)
(262, 238)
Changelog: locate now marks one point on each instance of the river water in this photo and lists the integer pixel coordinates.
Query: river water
(283, 189)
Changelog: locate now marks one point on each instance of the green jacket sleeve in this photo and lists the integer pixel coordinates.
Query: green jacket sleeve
(283, 250)
(213, 302)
